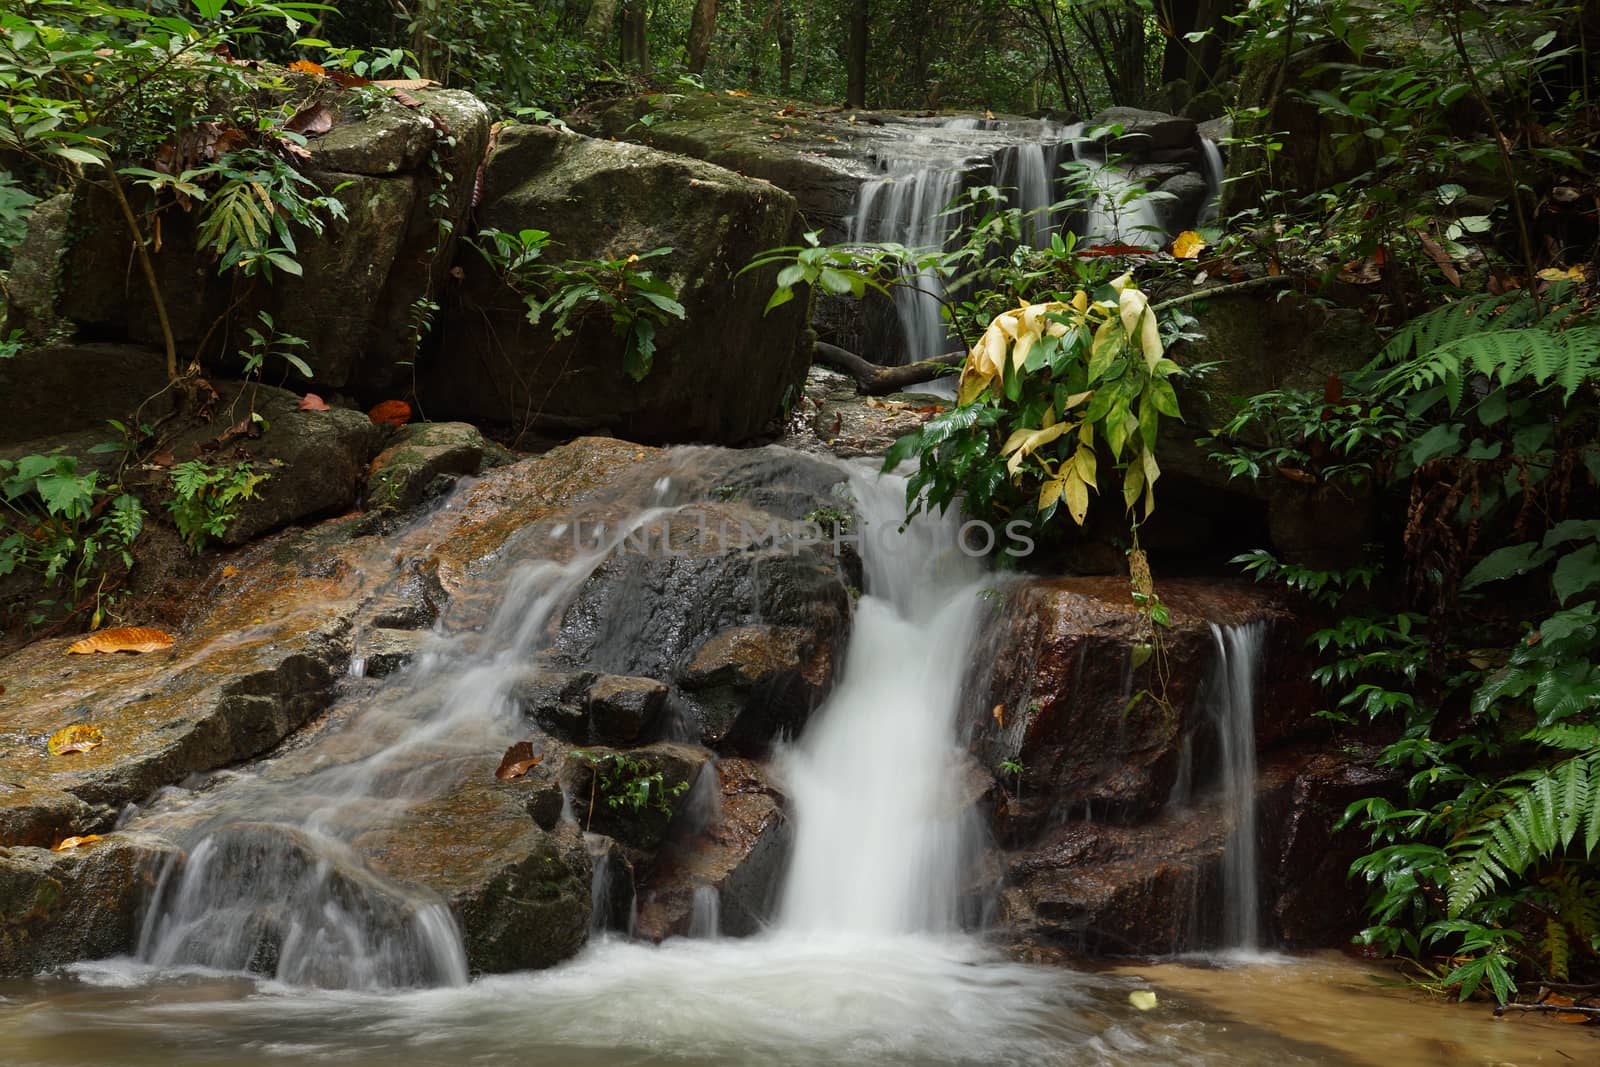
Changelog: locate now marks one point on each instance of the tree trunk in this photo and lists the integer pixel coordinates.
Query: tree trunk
(602, 16)
(855, 94)
(635, 38)
(702, 28)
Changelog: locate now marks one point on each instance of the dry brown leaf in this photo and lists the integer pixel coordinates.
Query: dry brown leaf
(1442, 259)
(391, 413)
(406, 83)
(312, 402)
(123, 639)
(519, 759)
(405, 98)
(310, 121)
(345, 80)
(1295, 474)
(79, 737)
(68, 843)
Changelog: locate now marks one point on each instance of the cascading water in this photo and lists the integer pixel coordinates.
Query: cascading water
(876, 849)
(1214, 173)
(1238, 666)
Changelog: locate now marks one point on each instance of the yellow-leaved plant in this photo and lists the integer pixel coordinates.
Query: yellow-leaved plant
(1046, 393)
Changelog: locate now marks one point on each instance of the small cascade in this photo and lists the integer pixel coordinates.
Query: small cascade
(1239, 650)
(878, 850)
(705, 916)
(1214, 173)
(702, 808)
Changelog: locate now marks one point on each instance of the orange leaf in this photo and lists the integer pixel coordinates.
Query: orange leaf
(1115, 250)
(999, 714)
(345, 80)
(1187, 245)
(305, 66)
(312, 402)
(391, 413)
(123, 639)
(229, 571)
(79, 737)
(518, 760)
(68, 843)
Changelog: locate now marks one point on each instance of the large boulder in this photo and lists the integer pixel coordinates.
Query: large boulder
(722, 373)
(1065, 701)
(404, 177)
(60, 389)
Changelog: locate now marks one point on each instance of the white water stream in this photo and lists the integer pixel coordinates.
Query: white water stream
(1238, 665)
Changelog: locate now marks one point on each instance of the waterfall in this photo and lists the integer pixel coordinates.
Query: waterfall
(269, 881)
(1238, 665)
(705, 915)
(1214, 173)
(878, 845)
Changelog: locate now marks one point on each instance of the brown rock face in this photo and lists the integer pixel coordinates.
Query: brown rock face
(736, 849)
(1072, 710)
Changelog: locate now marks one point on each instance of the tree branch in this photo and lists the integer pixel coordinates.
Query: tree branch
(874, 380)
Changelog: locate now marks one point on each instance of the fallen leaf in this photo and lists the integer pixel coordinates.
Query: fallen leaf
(1187, 245)
(737, 92)
(1115, 250)
(391, 413)
(406, 83)
(312, 402)
(68, 843)
(1143, 999)
(518, 760)
(1446, 265)
(79, 737)
(123, 639)
(405, 98)
(999, 714)
(310, 121)
(1556, 274)
(345, 80)
(305, 66)
(229, 571)
(1295, 474)
(1367, 271)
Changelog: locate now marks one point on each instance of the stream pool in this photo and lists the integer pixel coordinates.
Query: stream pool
(778, 1002)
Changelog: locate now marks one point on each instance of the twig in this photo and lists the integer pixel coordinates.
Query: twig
(1593, 1013)
(1221, 290)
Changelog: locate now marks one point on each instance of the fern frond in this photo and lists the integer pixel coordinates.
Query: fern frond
(1555, 947)
(1538, 818)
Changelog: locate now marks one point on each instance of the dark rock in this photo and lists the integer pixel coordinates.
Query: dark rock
(616, 792)
(68, 388)
(1147, 135)
(1188, 192)
(360, 279)
(612, 894)
(557, 701)
(721, 374)
(621, 710)
(738, 850)
(404, 473)
(752, 685)
(384, 652)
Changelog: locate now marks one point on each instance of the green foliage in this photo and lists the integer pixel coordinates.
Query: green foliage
(635, 300)
(65, 527)
(248, 223)
(206, 498)
(632, 784)
(16, 204)
(270, 343)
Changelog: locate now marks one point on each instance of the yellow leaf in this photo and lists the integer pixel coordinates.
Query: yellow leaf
(1187, 245)
(1076, 494)
(1151, 473)
(1084, 463)
(1556, 274)
(1019, 351)
(1143, 999)
(1024, 441)
(1050, 492)
(1077, 398)
(1130, 306)
(1080, 302)
(1150, 339)
(123, 639)
(1000, 715)
(79, 737)
(1122, 281)
(973, 383)
(69, 843)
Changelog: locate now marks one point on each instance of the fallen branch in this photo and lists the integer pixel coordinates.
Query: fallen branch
(874, 380)
(1220, 290)
(1593, 1013)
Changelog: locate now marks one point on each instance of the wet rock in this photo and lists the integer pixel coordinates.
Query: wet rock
(66, 388)
(737, 850)
(751, 685)
(1147, 136)
(1063, 679)
(406, 472)
(384, 652)
(622, 710)
(60, 907)
(632, 795)
(721, 374)
(557, 701)
(520, 893)
(612, 895)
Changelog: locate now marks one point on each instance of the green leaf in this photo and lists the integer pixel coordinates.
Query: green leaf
(1506, 563)
(1577, 572)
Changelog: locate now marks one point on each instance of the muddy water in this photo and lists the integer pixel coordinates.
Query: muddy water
(912, 1001)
